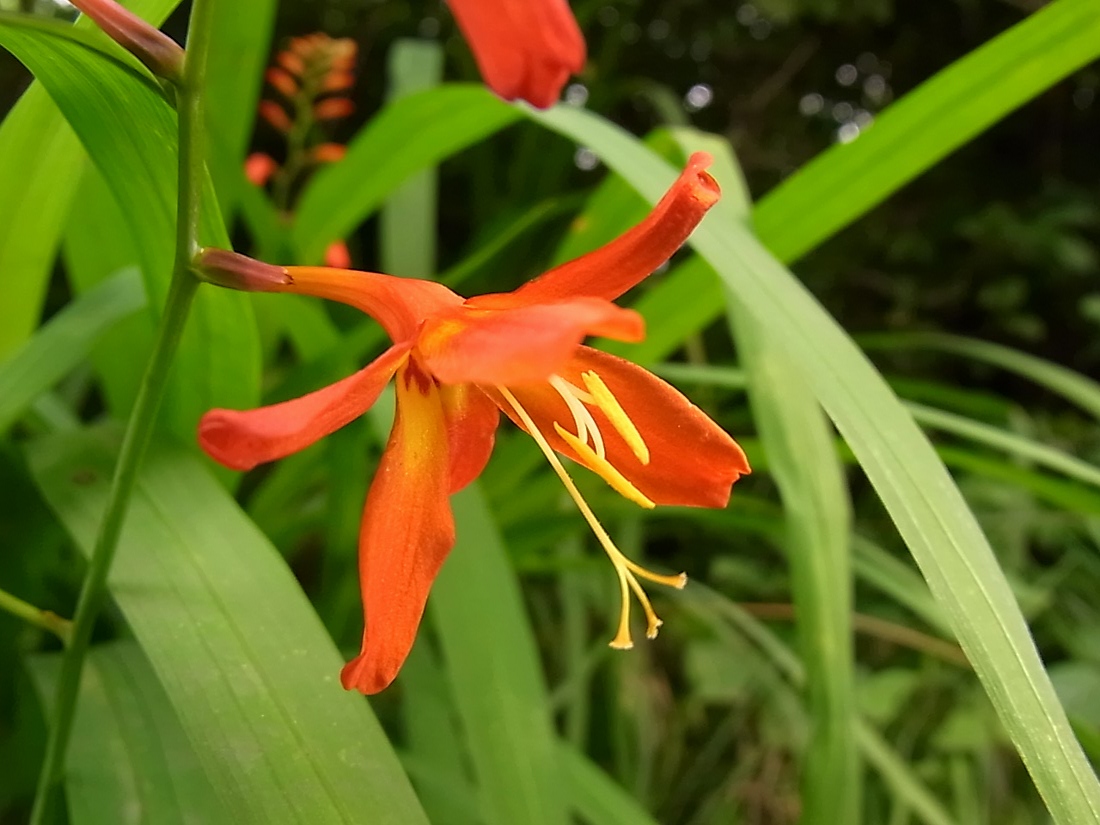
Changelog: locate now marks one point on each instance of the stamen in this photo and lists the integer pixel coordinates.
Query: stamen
(679, 581)
(624, 567)
(605, 469)
(652, 622)
(586, 424)
(622, 640)
(607, 402)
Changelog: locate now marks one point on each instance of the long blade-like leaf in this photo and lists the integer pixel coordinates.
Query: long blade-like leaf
(912, 482)
(246, 663)
(130, 761)
(408, 135)
(129, 130)
(40, 162)
(59, 346)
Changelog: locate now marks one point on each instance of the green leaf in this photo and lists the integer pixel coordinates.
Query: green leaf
(129, 130)
(907, 138)
(64, 342)
(596, 798)
(1080, 389)
(406, 225)
(39, 157)
(40, 163)
(239, 45)
(129, 760)
(242, 656)
(724, 616)
(799, 443)
(96, 246)
(496, 679)
(912, 482)
(408, 135)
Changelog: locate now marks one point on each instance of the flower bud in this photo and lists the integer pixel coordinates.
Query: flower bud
(236, 271)
(160, 54)
(259, 168)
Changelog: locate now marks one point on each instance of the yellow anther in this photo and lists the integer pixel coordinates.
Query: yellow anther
(607, 402)
(622, 640)
(652, 622)
(679, 581)
(604, 469)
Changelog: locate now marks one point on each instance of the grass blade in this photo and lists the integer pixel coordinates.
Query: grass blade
(64, 342)
(128, 129)
(902, 465)
(1073, 386)
(410, 134)
(495, 674)
(130, 760)
(798, 441)
(246, 664)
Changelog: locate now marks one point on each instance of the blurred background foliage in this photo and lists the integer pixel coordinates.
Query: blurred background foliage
(1001, 241)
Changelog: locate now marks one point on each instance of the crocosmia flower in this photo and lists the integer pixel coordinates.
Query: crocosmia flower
(457, 364)
(525, 49)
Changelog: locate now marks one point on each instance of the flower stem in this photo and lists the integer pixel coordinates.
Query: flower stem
(139, 429)
(45, 619)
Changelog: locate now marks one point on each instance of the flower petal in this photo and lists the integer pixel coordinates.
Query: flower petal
(524, 48)
(517, 346)
(241, 439)
(692, 461)
(398, 304)
(614, 268)
(407, 532)
(472, 420)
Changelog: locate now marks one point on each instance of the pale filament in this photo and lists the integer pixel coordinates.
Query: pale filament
(596, 394)
(575, 398)
(626, 569)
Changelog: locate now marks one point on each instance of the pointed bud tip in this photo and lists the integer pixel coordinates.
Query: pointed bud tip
(236, 271)
(162, 55)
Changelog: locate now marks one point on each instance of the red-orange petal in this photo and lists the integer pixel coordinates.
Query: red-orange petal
(276, 115)
(282, 80)
(518, 346)
(328, 152)
(337, 255)
(333, 108)
(407, 532)
(241, 439)
(399, 304)
(614, 268)
(692, 461)
(259, 168)
(472, 419)
(525, 49)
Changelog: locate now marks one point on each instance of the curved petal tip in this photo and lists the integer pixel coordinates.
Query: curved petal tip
(219, 438)
(699, 181)
(367, 676)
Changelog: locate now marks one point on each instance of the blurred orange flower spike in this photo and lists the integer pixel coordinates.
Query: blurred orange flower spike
(458, 364)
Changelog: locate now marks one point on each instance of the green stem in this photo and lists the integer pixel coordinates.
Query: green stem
(45, 619)
(139, 429)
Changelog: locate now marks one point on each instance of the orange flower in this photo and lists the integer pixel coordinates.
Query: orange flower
(524, 48)
(457, 364)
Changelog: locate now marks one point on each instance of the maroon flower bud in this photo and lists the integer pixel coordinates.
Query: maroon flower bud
(236, 271)
(160, 54)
